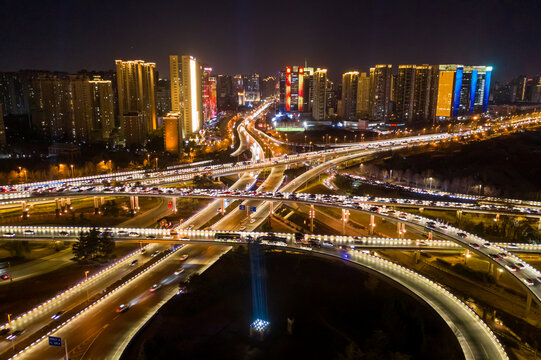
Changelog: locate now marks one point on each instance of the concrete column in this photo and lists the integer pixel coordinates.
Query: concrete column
(528, 302)
(421, 210)
(417, 256)
(68, 203)
(497, 217)
(96, 206)
(539, 224)
(57, 209)
(174, 204)
(25, 210)
(345, 216)
(223, 207)
(102, 200)
(312, 216)
(459, 215)
(372, 225)
(136, 203)
(132, 204)
(271, 211)
(63, 204)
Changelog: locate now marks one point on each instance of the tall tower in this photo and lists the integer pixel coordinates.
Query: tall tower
(136, 92)
(186, 91)
(319, 108)
(350, 81)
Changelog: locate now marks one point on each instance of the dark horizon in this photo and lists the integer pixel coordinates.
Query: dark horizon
(244, 37)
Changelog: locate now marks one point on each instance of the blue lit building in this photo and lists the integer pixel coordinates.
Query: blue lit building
(462, 90)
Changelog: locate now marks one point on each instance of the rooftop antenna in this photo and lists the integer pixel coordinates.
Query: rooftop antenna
(305, 63)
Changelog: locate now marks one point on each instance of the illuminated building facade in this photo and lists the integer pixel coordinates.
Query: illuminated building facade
(186, 92)
(172, 132)
(380, 84)
(296, 89)
(252, 92)
(208, 86)
(103, 108)
(319, 107)
(136, 91)
(350, 82)
(462, 90)
(363, 96)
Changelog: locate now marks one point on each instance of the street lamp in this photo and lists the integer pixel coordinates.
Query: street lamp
(430, 179)
(71, 170)
(156, 164)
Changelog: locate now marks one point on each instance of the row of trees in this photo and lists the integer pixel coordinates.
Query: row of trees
(93, 246)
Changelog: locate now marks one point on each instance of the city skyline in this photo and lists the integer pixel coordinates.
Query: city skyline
(238, 39)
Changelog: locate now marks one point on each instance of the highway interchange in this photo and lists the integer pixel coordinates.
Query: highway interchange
(476, 340)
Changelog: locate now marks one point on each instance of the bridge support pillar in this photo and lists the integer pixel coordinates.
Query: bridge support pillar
(421, 210)
(417, 256)
(174, 204)
(136, 202)
(25, 210)
(57, 209)
(271, 208)
(528, 302)
(102, 200)
(539, 224)
(312, 216)
(430, 236)
(345, 218)
(497, 218)
(63, 204)
(459, 215)
(96, 206)
(68, 204)
(133, 207)
(372, 225)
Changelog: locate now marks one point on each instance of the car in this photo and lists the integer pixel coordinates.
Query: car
(4, 276)
(155, 253)
(64, 233)
(133, 234)
(14, 334)
(122, 233)
(134, 262)
(154, 287)
(123, 308)
(179, 271)
(9, 234)
(57, 315)
(495, 256)
(511, 267)
(4, 331)
(475, 246)
(252, 221)
(29, 232)
(184, 257)
(462, 235)
(519, 265)
(151, 237)
(529, 282)
(242, 228)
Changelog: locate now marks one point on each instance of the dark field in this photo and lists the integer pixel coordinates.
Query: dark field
(339, 312)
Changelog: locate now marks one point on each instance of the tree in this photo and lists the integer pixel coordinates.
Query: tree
(92, 245)
(86, 247)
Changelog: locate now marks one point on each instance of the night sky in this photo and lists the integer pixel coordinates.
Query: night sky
(246, 36)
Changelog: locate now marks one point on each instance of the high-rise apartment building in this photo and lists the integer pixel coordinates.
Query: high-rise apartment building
(82, 107)
(363, 96)
(103, 108)
(252, 93)
(319, 107)
(136, 91)
(350, 82)
(163, 97)
(13, 93)
(425, 79)
(268, 87)
(404, 92)
(226, 98)
(3, 139)
(186, 94)
(50, 103)
(380, 84)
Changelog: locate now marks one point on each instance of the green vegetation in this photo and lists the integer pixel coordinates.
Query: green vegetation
(93, 246)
